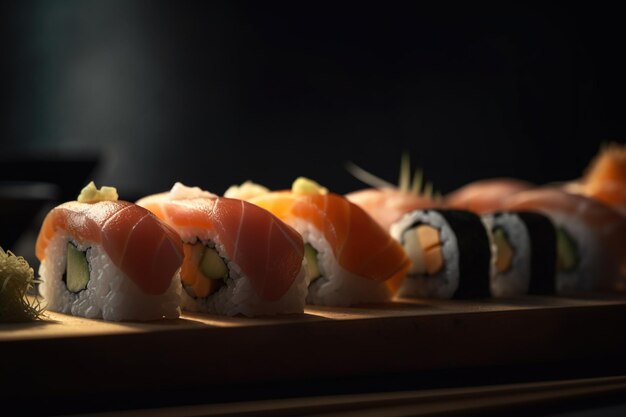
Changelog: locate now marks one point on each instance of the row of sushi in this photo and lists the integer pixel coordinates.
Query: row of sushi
(563, 238)
(257, 252)
(103, 257)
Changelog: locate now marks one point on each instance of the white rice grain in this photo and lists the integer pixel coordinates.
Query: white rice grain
(443, 284)
(237, 296)
(109, 294)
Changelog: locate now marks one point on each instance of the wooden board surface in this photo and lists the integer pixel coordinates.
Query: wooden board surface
(56, 325)
(76, 355)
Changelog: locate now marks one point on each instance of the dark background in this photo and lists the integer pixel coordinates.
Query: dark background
(214, 93)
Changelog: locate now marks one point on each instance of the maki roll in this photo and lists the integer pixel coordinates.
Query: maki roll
(450, 253)
(525, 253)
(106, 258)
(591, 239)
(350, 258)
(239, 258)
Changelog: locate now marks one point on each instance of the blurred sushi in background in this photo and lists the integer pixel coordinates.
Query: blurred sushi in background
(450, 252)
(605, 177)
(591, 239)
(485, 196)
(524, 245)
(386, 202)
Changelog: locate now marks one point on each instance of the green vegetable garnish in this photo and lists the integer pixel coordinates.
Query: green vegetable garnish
(91, 194)
(417, 186)
(16, 278)
(306, 186)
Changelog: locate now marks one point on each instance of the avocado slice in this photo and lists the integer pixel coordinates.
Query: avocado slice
(212, 265)
(77, 269)
(312, 267)
(567, 250)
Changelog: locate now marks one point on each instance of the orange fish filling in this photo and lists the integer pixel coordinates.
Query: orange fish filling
(423, 245)
(192, 276)
(360, 245)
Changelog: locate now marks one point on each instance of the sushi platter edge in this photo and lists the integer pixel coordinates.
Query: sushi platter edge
(324, 342)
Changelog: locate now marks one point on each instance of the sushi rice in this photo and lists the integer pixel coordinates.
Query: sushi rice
(585, 276)
(443, 284)
(337, 286)
(109, 294)
(237, 296)
(516, 279)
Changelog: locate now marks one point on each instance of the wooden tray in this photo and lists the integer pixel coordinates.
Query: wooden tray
(75, 355)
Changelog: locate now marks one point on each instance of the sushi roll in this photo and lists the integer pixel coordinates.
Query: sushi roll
(525, 253)
(106, 258)
(238, 258)
(450, 252)
(591, 239)
(350, 258)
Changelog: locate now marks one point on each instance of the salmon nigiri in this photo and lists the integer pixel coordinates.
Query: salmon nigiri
(351, 259)
(105, 258)
(239, 258)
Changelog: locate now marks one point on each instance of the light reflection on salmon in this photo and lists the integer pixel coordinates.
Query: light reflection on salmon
(359, 244)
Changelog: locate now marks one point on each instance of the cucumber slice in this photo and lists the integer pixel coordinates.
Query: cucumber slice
(77, 269)
(567, 251)
(212, 265)
(312, 267)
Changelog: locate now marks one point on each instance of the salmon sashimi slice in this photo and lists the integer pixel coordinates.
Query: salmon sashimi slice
(359, 244)
(268, 251)
(138, 243)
